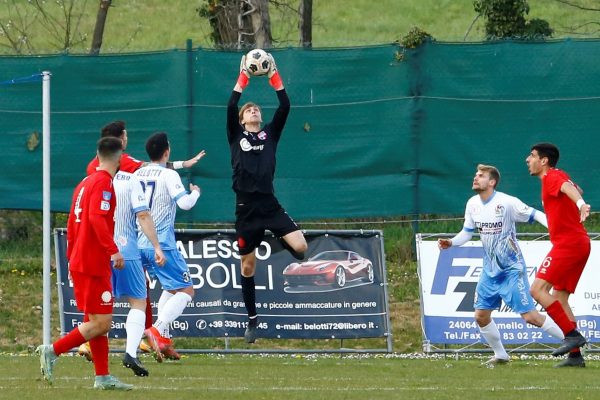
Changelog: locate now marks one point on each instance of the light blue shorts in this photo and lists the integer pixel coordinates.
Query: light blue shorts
(511, 286)
(173, 275)
(130, 281)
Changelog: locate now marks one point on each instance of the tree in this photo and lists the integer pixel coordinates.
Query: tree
(506, 19)
(305, 23)
(238, 24)
(587, 29)
(99, 28)
(59, 22)
(243, 24)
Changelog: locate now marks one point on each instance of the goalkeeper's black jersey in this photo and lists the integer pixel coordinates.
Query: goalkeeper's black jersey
(253, 153)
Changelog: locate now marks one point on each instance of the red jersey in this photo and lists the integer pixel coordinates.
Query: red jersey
(128, 164)
(91, 225)
(563, 216)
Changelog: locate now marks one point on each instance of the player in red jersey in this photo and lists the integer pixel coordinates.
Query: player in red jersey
(561, 269)
(90, 251)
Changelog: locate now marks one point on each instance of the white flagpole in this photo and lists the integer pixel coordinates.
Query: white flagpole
(46, 204)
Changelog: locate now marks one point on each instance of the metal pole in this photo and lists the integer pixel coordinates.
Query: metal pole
(46, 203)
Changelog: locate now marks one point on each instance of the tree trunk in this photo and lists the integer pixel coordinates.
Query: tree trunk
(261, 23)
(99, 28)
(305, 23)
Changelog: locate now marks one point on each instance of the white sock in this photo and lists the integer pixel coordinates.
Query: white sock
(491, 334)
(164, 297)
(550, 327)
(134, 327)
(172, 310)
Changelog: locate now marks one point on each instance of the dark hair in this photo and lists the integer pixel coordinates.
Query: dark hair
(109, 147)
(156, 145)
(114, 129)
(549, 151)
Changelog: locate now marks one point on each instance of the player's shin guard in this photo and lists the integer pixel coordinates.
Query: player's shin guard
(558, 314)
(551, 328)
(71, 340)
(172, 310)
(249, 294)
(491, 334)
(99, 346)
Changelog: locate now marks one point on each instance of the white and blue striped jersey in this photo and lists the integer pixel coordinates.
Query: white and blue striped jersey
(495, 220)
(163, 187)
(130, 201)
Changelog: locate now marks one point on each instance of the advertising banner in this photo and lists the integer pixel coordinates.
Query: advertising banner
(448, 280)
(338, 291)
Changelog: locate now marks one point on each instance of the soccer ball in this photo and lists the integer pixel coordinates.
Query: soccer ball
(258, 62)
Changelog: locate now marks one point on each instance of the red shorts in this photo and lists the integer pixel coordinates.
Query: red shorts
(563, 266)
(92, 293)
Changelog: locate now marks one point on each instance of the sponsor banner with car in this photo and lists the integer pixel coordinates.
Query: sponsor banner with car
(338, 291)
(448, 280)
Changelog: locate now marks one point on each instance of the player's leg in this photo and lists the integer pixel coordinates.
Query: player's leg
(285, 228)
(515, 292)
(574, 358)
(560, 271)
(175, 278)
(544, 322)
(135, 326)
(491, 334)
(295, 243)
(166, 348)
(130, 283)
(249, 229)
(249, 294)
(486, 301)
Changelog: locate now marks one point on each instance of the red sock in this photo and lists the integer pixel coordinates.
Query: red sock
(66, 343)
(99, 346)
(558, 314)
(148, 307)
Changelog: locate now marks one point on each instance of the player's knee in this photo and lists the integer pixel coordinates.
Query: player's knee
(248, 268)
(302, 247)
(102, 326)
(534, 292)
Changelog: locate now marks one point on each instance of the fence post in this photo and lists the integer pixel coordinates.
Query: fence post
(190, 112)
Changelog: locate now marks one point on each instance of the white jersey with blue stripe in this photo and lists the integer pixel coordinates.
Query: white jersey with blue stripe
(130, 201)
(495, 220)
(163, 187)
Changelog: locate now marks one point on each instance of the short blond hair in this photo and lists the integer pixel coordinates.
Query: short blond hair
(493, 171)
(245, 107)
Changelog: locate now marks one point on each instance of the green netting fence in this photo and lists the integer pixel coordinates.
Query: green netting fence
(367, 136)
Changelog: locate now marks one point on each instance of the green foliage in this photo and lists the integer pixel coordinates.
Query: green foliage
(505, 19)
(413, 39)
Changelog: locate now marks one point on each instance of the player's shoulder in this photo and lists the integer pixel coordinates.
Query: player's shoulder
(473, 200)
(556, 173)
(503, 197)
(125, 156)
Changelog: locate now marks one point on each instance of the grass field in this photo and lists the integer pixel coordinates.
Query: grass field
(307, 377)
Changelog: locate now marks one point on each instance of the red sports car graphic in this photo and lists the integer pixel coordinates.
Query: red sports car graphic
(334, 268)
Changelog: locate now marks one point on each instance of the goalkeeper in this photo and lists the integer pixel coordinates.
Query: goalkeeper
(253, 149)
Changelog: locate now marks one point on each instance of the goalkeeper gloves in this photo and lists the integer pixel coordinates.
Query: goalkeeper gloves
(244, 77)
(273, 74)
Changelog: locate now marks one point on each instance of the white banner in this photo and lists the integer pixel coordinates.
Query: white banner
(448, 279)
